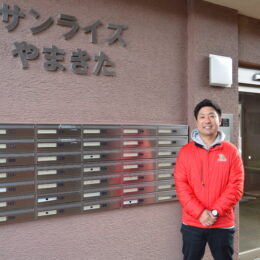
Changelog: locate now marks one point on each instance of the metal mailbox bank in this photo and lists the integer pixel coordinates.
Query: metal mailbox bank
(51, 170)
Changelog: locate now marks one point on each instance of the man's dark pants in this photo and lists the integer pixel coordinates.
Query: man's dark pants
(220, 242)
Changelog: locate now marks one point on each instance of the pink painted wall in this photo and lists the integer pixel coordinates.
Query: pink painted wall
(249, 40)
(212, 29)
(150, 69)
(149, 88)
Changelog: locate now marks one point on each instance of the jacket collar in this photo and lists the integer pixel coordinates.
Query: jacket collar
(195, 136)
(217, 146)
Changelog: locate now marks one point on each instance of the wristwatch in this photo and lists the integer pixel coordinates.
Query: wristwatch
(214, 212)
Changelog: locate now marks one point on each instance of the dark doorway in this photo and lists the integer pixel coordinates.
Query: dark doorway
(250, 147)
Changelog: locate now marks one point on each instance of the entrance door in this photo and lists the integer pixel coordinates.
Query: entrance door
(250, 204)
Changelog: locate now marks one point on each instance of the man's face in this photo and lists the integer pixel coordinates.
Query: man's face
(208, 122)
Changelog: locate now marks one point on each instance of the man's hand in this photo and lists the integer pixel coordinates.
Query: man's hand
(206, 218)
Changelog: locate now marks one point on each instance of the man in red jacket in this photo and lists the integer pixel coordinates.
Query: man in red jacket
(209, 179)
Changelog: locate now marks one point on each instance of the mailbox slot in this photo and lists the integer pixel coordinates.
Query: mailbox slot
(166, 196)
(16, 216)
(59, 210)
(164, 174)
(139, 177)
(58, 198)
(138, 200)
(104, 192)
(172, 130)
(16, 159)
(166, 163)
(138, 130)
(99, 205)
(139, 188)
(19, 131)
(16, 174)
(55, 186)
(101, 168)
(58, 171)
(58, 158)
(16, 188)
(18, 202)
(168, 152)
(142, 165)
(58, 131)
(164, 185)
(175, 141)
(58, 145)
(16, 146)
(93, 131)
(97, 181)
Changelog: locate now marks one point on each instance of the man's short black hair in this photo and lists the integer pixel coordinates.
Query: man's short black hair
(206, 103)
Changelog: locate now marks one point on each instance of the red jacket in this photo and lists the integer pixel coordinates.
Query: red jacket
(210, 179)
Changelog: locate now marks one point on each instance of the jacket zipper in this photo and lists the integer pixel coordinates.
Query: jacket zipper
(208, 177)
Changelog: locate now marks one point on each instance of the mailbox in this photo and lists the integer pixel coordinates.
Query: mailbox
(138, 130)
(58, 131)
(99, 205)
(164, 174)
(59, 185)
(172, 141)
(58, 158)
(166, 163)
(98, 131)
(164, 185)
(103, 192)
(103, 180)
(16, 131)
(59, 210)
(142, 165)
(58, 171)
(166, 130)
(139, 177)
(138, 188)
(25, 159)
(16, 216)
(18, 202)
(138, 200)
(167, 152)
(58, 145)
(101, 168)
(166, 196)
(102, 155)
(57, 198)
(16, 146)
(16, 188)
(16, 174)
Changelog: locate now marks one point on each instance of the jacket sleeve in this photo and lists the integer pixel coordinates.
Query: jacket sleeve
(191, 205)
(234, 189)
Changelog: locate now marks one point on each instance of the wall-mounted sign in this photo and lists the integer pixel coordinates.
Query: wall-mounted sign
(54, 55)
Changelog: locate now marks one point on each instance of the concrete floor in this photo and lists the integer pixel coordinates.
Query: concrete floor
(249, 237)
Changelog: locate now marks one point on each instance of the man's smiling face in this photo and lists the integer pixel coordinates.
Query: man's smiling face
(208, 122)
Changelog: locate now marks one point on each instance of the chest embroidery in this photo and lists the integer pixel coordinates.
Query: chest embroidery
(221, 158)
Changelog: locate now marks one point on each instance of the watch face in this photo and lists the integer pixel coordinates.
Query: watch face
(214, 213)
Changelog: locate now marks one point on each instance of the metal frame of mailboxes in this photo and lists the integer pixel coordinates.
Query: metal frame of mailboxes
(51, 170)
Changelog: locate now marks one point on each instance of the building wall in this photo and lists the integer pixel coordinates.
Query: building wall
(212, 29)
(249, 40)
(149, 68)
(161, 74)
